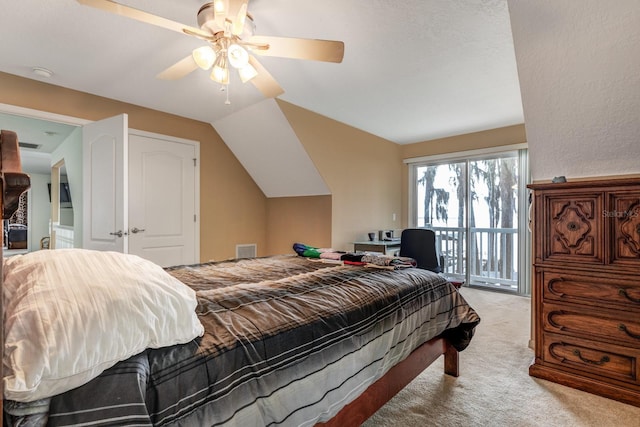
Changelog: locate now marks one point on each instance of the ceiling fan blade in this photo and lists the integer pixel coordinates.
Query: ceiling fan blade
(237, 14)
(285, 47)
(179, 69)
(264, 81)
(139, 15)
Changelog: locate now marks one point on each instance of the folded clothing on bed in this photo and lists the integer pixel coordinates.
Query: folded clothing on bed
(354, 258)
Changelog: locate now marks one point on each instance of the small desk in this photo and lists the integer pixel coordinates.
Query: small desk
(387, 247)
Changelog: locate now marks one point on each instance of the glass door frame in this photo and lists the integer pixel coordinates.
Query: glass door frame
(524, 235)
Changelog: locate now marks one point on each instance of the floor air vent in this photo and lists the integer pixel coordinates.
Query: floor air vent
(246, 251)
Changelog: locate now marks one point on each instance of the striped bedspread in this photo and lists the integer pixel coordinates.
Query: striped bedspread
(288, 342)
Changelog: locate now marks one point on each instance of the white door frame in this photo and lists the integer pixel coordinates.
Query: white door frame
(42, 115)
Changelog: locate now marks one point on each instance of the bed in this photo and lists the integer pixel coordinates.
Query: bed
(282, 340)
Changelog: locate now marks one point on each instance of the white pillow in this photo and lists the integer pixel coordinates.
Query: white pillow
(72, 313)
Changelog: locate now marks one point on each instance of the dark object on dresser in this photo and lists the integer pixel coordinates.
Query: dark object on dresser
(587, 287)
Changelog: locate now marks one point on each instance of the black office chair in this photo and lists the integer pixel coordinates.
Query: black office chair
(420, 244)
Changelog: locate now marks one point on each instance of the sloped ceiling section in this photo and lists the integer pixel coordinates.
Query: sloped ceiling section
(262, 140)
(413, 70)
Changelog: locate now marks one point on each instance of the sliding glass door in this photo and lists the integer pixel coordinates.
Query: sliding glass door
(476, 207)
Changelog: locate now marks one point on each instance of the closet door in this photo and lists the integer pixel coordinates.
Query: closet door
(104, 152)
(162, 199)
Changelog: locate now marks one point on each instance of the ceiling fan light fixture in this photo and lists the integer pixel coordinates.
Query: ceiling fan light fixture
(247, 73)
(238, 56)
(220, 75)
(204, 56)
(220, 6)
(220, 72)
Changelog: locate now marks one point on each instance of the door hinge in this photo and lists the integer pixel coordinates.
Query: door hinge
(194, 218)
(194, 162)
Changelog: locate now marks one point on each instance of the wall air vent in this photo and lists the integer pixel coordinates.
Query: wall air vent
(29, 145)
(246, 251)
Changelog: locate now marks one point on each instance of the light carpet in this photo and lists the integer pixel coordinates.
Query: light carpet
(494, 387)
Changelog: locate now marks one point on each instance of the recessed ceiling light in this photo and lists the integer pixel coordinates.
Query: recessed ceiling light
(42, 72)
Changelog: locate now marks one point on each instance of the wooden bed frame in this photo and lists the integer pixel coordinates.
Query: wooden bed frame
(14, 182)
(380, 392)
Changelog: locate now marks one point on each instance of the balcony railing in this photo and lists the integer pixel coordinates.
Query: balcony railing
(493, 255)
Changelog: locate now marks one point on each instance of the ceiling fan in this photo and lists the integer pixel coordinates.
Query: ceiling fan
(228, 29)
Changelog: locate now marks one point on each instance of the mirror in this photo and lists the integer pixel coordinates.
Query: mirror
(54, 193)
(62, 221)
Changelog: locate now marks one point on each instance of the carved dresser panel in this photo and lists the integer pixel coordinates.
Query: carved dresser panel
(587, 286)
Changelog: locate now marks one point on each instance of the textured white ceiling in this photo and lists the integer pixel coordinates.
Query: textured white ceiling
(581, 85)
(413, 70)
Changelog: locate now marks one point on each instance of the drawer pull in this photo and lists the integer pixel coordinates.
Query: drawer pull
(622, 327)
(600, 362)
(623, 292)
(552, 282)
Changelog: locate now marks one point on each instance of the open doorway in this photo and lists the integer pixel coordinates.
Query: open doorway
(39, 135)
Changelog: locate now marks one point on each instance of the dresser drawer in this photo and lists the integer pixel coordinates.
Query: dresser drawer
(602, 361)
(613, 326)
(572, 226)
(625, 225)
(622, 292)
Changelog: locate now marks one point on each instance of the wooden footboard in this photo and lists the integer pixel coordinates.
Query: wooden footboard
(380, 392)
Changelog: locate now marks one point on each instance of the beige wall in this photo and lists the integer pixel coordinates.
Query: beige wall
(298, 220)
(473, 141)
(233, 209)
(366, 177)
(363, 173)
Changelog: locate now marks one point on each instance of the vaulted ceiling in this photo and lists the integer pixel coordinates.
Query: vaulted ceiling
(412, 71)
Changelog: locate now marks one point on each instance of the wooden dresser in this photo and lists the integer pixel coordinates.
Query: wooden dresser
(587, 286)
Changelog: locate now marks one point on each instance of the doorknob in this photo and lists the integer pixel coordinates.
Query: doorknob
(117, 233)
(136, 230)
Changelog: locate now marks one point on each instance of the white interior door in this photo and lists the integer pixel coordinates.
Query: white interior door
(104, 152)
(163, 199)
